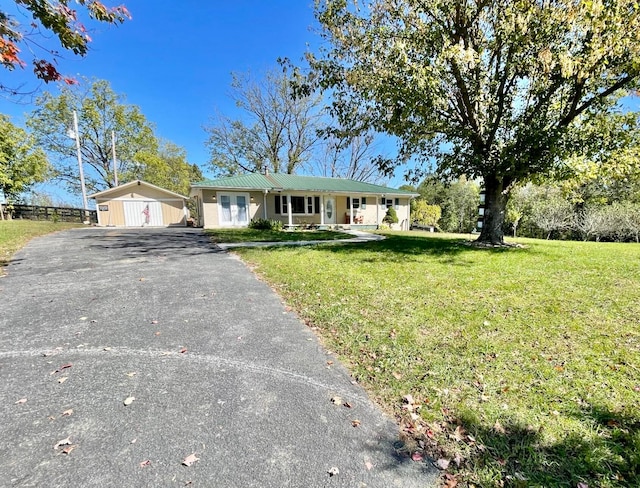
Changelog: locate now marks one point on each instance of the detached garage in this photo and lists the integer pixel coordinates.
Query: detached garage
(140, 204)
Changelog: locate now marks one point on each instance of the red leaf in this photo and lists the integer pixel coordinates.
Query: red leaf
(64, 366)
(417, 457)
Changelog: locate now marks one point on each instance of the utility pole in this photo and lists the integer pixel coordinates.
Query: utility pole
(115, 162)
(76, 136)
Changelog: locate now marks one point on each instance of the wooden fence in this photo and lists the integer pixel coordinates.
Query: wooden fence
(36, 212)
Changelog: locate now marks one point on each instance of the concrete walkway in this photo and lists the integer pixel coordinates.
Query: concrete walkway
(358, 236)
(211, 362)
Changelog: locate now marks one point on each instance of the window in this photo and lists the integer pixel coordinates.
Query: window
(299, 205)
(356, 203)
(388, 203)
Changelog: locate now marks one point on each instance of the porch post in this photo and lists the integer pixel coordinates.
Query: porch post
(322, 209)
(351, 211)
(265, 203)
(377, 211)
(289, 210)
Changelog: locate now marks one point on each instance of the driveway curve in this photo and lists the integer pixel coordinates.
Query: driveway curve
(209, 360)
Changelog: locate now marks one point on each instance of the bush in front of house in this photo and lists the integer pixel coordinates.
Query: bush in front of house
(265, 224)
(391, 217)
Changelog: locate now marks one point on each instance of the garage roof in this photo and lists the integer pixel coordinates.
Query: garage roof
(109, 191)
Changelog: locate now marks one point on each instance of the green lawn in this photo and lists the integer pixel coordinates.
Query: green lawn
(255, 235)
(524, 364)
(14, 234)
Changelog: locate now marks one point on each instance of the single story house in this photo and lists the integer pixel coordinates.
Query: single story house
(140, 204)
(297, 201)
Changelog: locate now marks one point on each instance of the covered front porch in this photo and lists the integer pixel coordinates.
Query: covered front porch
(325, 211)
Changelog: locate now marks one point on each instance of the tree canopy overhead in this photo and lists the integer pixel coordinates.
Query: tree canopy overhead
(19, 37)
(495, 89)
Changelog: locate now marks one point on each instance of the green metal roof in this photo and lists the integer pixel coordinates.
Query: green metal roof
(287, 182)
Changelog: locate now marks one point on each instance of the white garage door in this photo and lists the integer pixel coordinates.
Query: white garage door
(141, 213)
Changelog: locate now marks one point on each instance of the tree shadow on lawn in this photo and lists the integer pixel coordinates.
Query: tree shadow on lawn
(517, 453)
(402, 248)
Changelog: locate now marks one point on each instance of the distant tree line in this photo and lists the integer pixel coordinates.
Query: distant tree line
(578, 208)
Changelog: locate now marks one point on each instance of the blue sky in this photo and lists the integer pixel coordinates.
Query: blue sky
(174, 59)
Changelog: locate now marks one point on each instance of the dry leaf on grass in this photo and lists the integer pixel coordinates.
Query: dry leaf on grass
(190, 459)
(442, 463)
(417, 457)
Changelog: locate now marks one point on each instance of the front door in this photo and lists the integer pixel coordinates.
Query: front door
(233, 209)
(329, 210)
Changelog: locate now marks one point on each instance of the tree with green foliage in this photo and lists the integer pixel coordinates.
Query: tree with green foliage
(458, 200)
(391, 217)
(22, 163)
(277, 132)
(33, 36)
(498, 90)
(100, 111)
(610, 170)
(424, 214)
(167, 167)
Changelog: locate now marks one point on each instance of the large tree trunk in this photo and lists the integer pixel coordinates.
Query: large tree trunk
(494, 211)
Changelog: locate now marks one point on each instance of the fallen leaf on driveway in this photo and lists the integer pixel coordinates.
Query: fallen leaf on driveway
(154, 322)
(107, 349)
(347, 404)
(21, 401)
(337, 400)
(67, 413)
(145, 463)
(132, 374)
(190, 459)
(63, 379)
(368, 465)
(355, 422)
(64, 366)
(183, 350)
(417, 457)
(333, 471)
(128, 401)
(84, 318)
(68, 449)
(63, 442)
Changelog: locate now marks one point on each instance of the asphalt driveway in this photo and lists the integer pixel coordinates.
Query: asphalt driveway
(210, 360)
